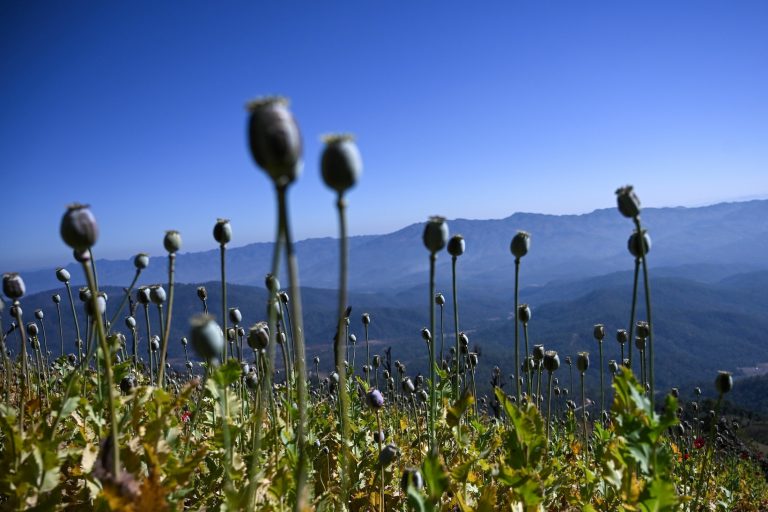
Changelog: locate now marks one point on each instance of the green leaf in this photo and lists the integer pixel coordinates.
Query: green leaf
(435, 476)
(457, 410)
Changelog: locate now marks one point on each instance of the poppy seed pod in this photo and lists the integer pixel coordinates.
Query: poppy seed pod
(340, 163)
(599, 332)
(127, 384)
(84, 293)
(56, 298)
(375, 399)
(473, 360)
(524, 313)
(206, 336)
(675, 392)
(13, 286)
(78, 227)
(240, 331)
(184, 342)
(464, 339)
(642, 329)
(283, 297)
(439, 299)
(32, 329)
(426, 335)
(252, 381)
(366, 319)
(622, 336)
(385, 374)
(202, 293)
(723, 382)
(157, 294)
(100, 303)
(389, 453)
(551, 361)
(222, 231)
(62, 274)
(275, 139)
(352, 339)
(435, 234)
(376, 361)
(231, 334)
(639, 246)
(317, 360)
(142, 295)
(456, 246)
(141, 261)
(628, 202)
(582, 362)
(411, 478)
(613, 366)
(538, 352)
(258, 336)
(626, 363)
(130, 322)
(272, 283)
(640, 343)
(235, 316)
(154, 343)
(39, 314)
(407, 385)
(520, 245)
(172, 241)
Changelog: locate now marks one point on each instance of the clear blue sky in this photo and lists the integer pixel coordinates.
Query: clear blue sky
(465, 109)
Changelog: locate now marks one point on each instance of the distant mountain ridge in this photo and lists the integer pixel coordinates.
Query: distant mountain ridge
(726, 238)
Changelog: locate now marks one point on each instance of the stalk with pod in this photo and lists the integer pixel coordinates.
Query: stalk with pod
(519, 247)
(456, 247)
(172, 244)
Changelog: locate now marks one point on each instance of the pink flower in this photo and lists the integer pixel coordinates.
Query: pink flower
(185, 416)
(698, 442)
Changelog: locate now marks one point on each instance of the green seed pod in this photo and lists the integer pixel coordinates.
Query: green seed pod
(127, 384)
(32, 329)
(143, 295)
(724, 382)
(473, 360)
(13, 286)
(613, 366)
(639, 246)
(62, 275)
(39, 314)
(642, 328)
(275, 139)
(524, 313)
(283, 297)
(100, 304)
(388, 454)
(78, 227)
(232, 334)
(202, 293)
(252, 381)
(622, 336)
(353, 339)
(520, 245)
(435, 234)
(317, 360)
(376, 361)
(240, 331)
(640, 343)
(551, 361)
(439, 299)
(235, 316)
(157, 294)
(599, 332)
(582, 362)
(258, 336)
(141, 261)
(408, 386)
(56, 298)
(697, 391)
(463, 340)
(426, 335)
(206, 336)
(172, 241)
(628, 202)
(272, 283)
(456, 246)
(340, 163)
(366, 319)
(675, 392)
(85, 294)
(538, 352)
(222, 231)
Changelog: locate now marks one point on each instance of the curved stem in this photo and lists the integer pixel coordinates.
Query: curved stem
(647, 287)
(631, 329)
(74, 317)
(166, 329)
(61, 328)
(125, 299)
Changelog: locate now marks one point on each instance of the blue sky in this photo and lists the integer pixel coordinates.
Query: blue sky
(473, 110)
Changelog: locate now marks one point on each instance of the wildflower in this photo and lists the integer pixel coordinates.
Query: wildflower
(185, 416)
(699, 442)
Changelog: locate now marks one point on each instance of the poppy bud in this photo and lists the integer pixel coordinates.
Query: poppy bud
(141, 261)
(130, 322)
(275, 139)
(272, 283)
(622, 336)
(235, 316)
(206, 336)
(32, 329)
(340, 163)
(222, 231)
(628, 202)
(62, 275)
(456, 246)
(78, 227)
(172, 241)
(143, 295)
(582, 363)
(521, 242)
(524, 313)
(419, 381)
(551, 361)
(538, 352)
(202, 293)
(56, 298)
(639, 246)
(281, 338)
(426, 335)
(100, 303)
(435, 234)
(13, 286)
(599, 332)
(366, 319)
(389, 453)
(39, 314)
(375, 399)
(157, 294)
(723, 382)
(154, 343)
(642, 329)
(439, 299)
(258, 336)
